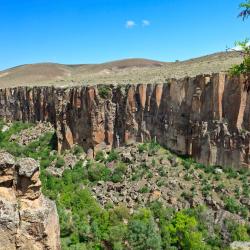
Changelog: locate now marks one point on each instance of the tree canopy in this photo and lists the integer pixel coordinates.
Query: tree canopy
(246, 9)
(244, 67)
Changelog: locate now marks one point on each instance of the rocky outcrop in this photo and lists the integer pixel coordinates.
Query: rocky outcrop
(206, 117)
(240, 245)
(31, 134)
(28, 220)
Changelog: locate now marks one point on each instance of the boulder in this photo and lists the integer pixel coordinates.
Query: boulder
(240, 245)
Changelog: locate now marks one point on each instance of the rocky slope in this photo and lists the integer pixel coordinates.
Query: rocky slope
(206, 117)
(28, 220)
(145, 173)
(98, 197)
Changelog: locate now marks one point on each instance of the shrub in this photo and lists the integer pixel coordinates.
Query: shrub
(209, 169)
(246, 190)
(160, 183)
(113, 155)
(118, 214)
(104, 91)
(238, 232)
(100, 156)
(220, 187)
(187, 195)
(187, 177)
(143, 232)
(162, 171)
(231, 173)
(59, 162)
(116, 236)
(184, 232)
(187, 164)
(153, 147)
(232, 205)
(119, 172)
(206, 189)
(98, 171)
(237, 192)
(142, 147)
(149, 175)
(144, 189)
(77, 150)
(153, 162)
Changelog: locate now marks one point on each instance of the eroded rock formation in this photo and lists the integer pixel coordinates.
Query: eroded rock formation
(28, 220)
(206, 117)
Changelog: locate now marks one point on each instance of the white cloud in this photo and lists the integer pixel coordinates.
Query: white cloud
(130, 24)
(145, 23)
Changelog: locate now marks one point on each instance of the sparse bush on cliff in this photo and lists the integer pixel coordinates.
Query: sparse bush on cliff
(151, 147)
(104, 91)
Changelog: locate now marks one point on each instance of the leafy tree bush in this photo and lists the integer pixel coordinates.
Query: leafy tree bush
(119, 172)
(143, 231)
(246, 9)
(104, 91)
(142, 147)
(144, 189)
(238, 232)
(244, 67)
(113, 155)
(59, 162)
(232, 205)
(100, 156)
(78, 150)
(184, 232)
(98, 171)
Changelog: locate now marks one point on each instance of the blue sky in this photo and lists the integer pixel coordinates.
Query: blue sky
(93, 31)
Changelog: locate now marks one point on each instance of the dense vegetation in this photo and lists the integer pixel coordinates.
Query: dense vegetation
(87, 225)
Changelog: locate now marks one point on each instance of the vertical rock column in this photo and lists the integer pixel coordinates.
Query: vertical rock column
(28, 219)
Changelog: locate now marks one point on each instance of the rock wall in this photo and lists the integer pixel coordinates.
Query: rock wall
(206, 117)
(28, 220)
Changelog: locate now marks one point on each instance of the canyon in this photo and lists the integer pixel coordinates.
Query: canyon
(206, 116)
(119, 136)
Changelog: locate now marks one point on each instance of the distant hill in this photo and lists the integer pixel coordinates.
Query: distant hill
(122, 71)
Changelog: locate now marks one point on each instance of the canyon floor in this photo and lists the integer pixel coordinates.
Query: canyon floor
(139, 191)
(127, 71)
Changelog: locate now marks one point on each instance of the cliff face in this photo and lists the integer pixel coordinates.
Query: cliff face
(28, 220)
(206, 117)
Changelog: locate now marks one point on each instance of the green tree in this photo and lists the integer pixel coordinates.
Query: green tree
(143, 231)
(184, 233)
(244, 67)
(246, 9)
